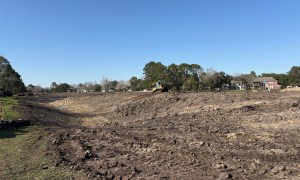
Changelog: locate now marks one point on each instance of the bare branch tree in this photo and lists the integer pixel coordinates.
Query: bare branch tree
(105, 84)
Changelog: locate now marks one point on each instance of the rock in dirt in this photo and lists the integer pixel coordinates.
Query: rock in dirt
(231, 136)
(274, 151)
(221, 166)
(45, 167)
(295, 104)
(88, 154)
(253, 167)
(59, 140)
(224, 176)
(249, 108)
(278, 169)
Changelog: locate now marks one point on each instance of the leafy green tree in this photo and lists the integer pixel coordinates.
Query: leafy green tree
(133, 83)
(154, 71)
(253, 73)
(59, 88)
(184, 76)
(190, 76)
(294, 75)
(195, 71)
(53, 86)
(30, 88)
(184, 69)
(214, 80)
(173, 77)
(63, 87)
(136, 84)
(10, 81)
(97, 88)
(113, 84)
(222, 79)
(190, 84)
(3, 64)
(176, 77)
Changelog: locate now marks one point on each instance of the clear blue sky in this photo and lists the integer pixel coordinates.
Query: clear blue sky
(81, 41)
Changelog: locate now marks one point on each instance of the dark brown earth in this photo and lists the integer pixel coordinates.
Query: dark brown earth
(238, 135)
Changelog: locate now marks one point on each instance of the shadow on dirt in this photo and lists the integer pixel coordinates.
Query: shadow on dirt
(44, 98)
(12, 133)
(45, 116)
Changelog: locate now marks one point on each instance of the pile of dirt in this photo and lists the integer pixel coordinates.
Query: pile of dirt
(148, 105)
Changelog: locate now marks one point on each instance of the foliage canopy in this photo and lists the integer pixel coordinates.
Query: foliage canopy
(10, 80)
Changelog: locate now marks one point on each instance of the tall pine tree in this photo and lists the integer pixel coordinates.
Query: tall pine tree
(10, 80)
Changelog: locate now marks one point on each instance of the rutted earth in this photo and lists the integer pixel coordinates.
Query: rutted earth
(220, 135)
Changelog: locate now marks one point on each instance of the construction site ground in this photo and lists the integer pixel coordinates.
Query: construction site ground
(209, 135)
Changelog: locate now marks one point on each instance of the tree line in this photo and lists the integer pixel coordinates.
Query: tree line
(181, 77)
(192, 77)
(104, 85)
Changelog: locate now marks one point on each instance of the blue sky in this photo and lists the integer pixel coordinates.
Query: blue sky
(81, 41)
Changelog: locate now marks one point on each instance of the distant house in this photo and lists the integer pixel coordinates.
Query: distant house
(71, 90)
(225, 86)
(265, 83)
(238, 85)
(81, 90)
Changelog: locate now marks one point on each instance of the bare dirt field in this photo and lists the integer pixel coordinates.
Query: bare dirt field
(224, 135)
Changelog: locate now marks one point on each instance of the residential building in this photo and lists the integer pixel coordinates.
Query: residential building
(265, 83)
(238, 85)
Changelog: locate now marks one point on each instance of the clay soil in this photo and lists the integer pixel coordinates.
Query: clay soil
(223, 135)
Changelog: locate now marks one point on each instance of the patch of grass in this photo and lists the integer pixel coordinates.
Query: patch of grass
(8, 104)
(24, 154)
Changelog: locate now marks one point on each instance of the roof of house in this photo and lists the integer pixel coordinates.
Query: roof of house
(235, 81)
(265, 79)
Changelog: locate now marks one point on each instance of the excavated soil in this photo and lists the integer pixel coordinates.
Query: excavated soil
(224, 135)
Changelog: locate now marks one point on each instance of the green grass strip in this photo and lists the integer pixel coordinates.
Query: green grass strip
(7, 108)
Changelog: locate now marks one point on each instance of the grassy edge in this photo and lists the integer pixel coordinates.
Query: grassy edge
(26, 154)
(8, 105)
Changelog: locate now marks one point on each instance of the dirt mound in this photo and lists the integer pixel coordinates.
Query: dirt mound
(147, 105)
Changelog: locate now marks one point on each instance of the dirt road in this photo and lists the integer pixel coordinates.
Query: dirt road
(222, 135)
